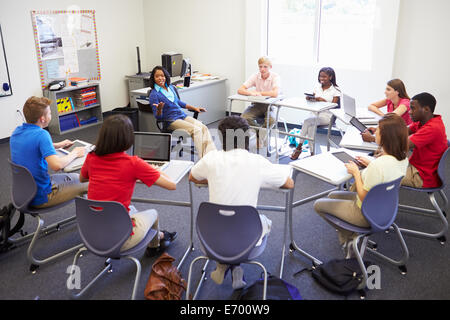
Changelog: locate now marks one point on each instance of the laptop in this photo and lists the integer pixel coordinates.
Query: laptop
(350, 109)
(153, 148)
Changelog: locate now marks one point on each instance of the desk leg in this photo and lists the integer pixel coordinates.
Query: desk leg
(277, 154)
(285, 231)
(293, 246)
(191, 244)
(312, 146)
(330, 126)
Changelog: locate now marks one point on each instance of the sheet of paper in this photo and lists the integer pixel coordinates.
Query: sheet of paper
(53, 69)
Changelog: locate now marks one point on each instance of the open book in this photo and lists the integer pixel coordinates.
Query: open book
(78, 162)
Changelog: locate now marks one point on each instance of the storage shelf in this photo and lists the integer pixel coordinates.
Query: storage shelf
(82, 127)
(91, 111)
(78, 110)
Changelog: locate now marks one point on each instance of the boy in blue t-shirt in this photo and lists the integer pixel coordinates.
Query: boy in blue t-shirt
(32, 147)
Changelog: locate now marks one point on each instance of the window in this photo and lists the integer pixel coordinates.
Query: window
(332, 32)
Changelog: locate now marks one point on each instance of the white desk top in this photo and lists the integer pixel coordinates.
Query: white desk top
(177, 169)
(326, 167)
(352, 139)
(194, 85)
(344, 117)
(302, 104)
(255, 99)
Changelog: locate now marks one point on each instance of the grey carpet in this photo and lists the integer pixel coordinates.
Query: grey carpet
(426, 278)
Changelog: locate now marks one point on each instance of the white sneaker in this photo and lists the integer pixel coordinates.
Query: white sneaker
(238, 278)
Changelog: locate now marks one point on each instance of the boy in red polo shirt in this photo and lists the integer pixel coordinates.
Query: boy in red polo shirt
(428, 141)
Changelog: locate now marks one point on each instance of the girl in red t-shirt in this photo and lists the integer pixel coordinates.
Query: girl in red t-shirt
(397, 101)
(112, 175)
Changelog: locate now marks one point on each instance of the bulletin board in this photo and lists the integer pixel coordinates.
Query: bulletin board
(66, 45)
(5, 83)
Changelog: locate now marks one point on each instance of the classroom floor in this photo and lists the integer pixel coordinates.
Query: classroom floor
(426, 278)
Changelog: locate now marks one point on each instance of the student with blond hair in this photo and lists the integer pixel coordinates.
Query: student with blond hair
(32, 147)
(265, 83)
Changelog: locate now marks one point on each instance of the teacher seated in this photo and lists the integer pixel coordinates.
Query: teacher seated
(168, 107)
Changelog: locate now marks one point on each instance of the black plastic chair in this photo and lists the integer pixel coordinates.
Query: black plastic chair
(23, 192)
(104, 227)
(228, 235)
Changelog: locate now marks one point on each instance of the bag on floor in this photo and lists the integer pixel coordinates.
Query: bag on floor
(6, 216)
(342, 276)
(165, 281)
(277, 289)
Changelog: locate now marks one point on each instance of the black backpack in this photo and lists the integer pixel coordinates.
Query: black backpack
(6, 216)
(341, 276)
(277, 289)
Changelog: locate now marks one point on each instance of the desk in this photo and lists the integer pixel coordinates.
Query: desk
(269, 102)
(300, 103)
(344, 117)
(177, 169)
(293, 103)
(209, 94)
(352, 139)
(324, 167)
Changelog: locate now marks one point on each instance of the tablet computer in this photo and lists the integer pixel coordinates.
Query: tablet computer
(358, 124)
(346, 158)
(310, 95)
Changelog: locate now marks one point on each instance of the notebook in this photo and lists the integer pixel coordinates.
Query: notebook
(152, 147)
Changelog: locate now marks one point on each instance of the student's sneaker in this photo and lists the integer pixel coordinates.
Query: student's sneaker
(238, 278)
(164, 243)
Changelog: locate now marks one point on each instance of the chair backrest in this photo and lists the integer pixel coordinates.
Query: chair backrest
(23, 188)
(228, 233)
(380, 205)
(104, 226)
(442, 165)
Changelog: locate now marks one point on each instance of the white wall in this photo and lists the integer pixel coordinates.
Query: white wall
(120, 28)
(210, 32)
(422, 51)
(365, 86)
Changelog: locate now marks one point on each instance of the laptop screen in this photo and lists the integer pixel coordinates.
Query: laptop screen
(152, 146)
(349, 105)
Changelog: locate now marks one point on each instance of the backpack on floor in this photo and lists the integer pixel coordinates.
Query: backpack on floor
(6, 215)
(277, 289)
(341, 276)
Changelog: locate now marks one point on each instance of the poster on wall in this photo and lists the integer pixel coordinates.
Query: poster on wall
(5, 82)
(66, 44)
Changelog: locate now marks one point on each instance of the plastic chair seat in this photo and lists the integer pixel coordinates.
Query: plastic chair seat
(347, 226)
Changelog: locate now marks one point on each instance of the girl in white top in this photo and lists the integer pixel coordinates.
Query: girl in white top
(392, 137)
(327, 91)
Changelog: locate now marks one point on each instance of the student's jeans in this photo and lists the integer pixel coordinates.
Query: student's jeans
(255, 112)
(143, 222)
(342, 204)
(309, 125)
(198, 131)
(65, 187)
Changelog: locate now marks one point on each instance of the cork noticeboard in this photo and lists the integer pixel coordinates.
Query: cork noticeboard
(66, 45)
